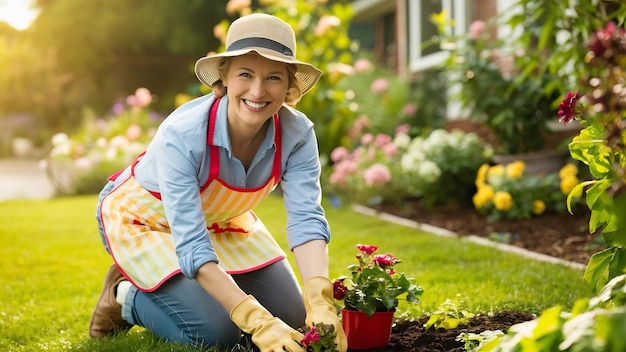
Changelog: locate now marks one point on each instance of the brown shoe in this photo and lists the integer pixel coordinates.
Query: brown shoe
(107, 318)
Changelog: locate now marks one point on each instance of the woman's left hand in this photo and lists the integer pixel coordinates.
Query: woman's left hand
(318, 301)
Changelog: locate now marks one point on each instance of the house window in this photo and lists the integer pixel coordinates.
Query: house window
(421, 30)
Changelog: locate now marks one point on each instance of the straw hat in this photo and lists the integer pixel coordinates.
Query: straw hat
(266, 35)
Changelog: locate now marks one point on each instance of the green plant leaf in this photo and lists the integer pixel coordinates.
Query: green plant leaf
(597, 270)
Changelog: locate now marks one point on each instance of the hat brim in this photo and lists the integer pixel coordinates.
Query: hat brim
(307, 75)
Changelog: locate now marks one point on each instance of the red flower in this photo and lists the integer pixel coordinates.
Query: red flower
(369, 249)
(385, 260)
(311, 336)
(339, 290)
(606, 42)
(567, 108)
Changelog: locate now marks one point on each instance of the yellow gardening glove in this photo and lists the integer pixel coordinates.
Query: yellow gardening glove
(318, 301)
(268, 332)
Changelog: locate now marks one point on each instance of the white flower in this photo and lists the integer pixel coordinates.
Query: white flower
(402, 141)
(411, 159)
(60, 138)
(61, 150)
(429, 171)
(83, 163)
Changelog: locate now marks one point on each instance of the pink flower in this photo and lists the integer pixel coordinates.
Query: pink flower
(339, 290)
(337, 178)
(362, 65)
(311, 336)
(382, 139)
(403, 129)
(133, 132)
(367, 248)
(367, 139)
(363, 121)
(325, 23)
(341, 170)
(567, 108)
(476, 29)
(339, 153)
(409, 109)
(379, 85)
(143, 97)
(390, 150)
(118, 108)
(385, 260)
(237, 6)
(377, 174)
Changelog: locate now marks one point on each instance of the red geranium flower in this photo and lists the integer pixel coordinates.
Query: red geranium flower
(385, 260)
(311, 336)
(369, 249)
(339, 290)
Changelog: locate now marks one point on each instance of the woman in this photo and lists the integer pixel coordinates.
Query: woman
(193, 264)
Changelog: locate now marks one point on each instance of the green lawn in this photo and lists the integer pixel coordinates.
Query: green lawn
(53, 264)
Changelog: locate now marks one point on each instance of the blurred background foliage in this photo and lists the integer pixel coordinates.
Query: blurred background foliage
(78, 58)
(79, 54)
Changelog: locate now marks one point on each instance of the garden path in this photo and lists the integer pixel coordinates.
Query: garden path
(23, 178)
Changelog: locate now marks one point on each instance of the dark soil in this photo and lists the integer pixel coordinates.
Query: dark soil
(410, 336)
(563, 236)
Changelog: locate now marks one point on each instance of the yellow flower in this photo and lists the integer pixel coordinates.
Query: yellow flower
(515, 169)
(568, 170)
(538, 207)
(481, 175)
(568, 183)
(496, 170)
(440, 20)
(483, 196)
(503, 201)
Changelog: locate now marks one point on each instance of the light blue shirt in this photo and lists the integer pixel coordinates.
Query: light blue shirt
(177, 163)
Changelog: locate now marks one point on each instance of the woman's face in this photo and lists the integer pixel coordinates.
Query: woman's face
(256, 88)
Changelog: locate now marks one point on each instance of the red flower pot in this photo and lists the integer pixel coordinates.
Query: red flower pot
(365, 332)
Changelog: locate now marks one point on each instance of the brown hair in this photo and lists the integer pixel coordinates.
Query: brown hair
(294, 93)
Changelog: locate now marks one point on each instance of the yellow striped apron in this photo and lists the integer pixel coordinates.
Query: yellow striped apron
(139, 237)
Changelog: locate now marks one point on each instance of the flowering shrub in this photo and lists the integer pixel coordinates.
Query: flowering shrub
(493, 86)
(373, 285)
(388, 169)
(508, 192)
(320, 338)
(80, 164)
(382, 100)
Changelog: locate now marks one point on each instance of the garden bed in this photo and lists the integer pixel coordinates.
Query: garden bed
(410, 336)
(562, 235)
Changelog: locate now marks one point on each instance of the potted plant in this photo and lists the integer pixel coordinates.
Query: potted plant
(370, 296)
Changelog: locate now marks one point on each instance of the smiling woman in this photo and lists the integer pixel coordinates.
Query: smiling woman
(19, 14)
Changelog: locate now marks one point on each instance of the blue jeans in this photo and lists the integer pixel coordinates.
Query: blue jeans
(182, 311)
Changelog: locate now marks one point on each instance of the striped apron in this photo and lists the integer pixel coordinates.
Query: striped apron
(139, 237)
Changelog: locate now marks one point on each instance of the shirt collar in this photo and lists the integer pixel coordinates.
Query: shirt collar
(221, 137)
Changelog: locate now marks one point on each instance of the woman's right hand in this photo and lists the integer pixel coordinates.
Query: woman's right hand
(268, 332)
